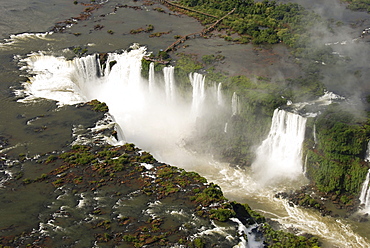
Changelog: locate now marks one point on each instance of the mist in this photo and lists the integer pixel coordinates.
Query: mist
(345, 72)
(153, 113)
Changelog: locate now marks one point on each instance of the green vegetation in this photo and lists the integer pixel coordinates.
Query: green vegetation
(89, 169)
(361, 5)
(186, 64)
(260, 22)
(198, 243)
(158, 34)
(149, 28)
(51, 158)
(276, 239)
(98, 106)
(342, 141)
(79, 51)
(157, 59)
(222, 214)
(211, 194)
(78, 158)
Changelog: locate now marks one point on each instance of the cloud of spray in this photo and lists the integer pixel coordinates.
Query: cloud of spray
(345, 72)
(152, 113)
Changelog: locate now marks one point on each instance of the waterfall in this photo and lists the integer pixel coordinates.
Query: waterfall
(305, 165)
(365, 194)
(314, 135)
(367, 158)
(197, 81)
(235, 104)
(151, 77)
(220, 100)
(279, 157)
(155, 126)
(169, 80)
(141, 108)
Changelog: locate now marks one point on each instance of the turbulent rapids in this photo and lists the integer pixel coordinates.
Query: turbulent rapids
(156, 117)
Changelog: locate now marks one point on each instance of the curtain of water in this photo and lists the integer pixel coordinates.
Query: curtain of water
(197, 81)
(279, 157)
(151, 77)
(169, 80)
(365, 194)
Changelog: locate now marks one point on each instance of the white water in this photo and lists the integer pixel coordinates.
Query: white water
(365, 194)
(199, 94)
(152, 124)
(220, 100)
(324, 100)
(235, 104)
(367, 158)
(169, 80)
(314, 135)
(280, 155)
(152, 84)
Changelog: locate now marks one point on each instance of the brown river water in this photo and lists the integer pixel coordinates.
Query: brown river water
(41, 126)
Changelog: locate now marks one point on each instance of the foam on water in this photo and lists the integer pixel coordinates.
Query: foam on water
(151, 123)
(17, 40)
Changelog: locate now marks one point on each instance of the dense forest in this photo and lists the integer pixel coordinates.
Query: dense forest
(257, 22)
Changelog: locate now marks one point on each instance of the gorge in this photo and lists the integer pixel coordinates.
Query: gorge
(271, 131)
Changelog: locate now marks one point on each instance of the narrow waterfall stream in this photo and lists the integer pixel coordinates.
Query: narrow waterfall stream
(365, 195)
(142, 111)
(169, 80)
(197, 81)
(235, 107)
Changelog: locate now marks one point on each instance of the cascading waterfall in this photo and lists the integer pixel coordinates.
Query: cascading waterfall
(235, 107)
(169, 80)
(199, 94)
(151, 77)
(365, 190)
(153, 125)
(365, 194)
(279, 157)
(314, 135)
(225, 127)
(139, 106)
(305, 165)
(220, 100)
(367, 158)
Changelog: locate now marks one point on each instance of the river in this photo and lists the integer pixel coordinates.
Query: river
(27, 42)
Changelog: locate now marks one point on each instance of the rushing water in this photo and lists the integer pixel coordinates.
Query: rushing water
(150, 122)
(139, 106)
(365, 194)
(279, 157)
